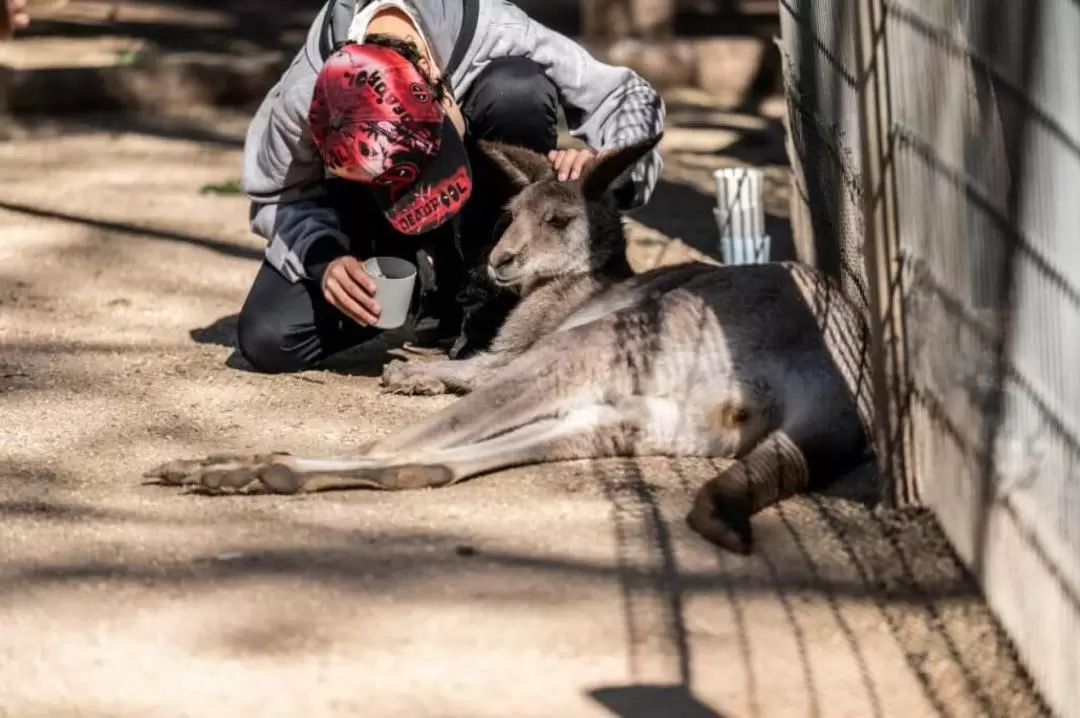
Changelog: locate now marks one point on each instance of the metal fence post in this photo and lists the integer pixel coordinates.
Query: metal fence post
(881, 257)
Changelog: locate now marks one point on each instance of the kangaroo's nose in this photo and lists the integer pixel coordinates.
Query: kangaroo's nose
(500, 259)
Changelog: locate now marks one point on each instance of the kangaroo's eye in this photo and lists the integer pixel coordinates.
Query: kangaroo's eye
(559, 221)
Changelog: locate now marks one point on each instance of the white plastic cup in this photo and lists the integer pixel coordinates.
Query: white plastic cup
(394, 280)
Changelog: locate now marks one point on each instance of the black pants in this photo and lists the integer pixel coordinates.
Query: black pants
(287, 327)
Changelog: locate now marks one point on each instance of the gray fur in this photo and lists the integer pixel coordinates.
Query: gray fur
(763, 364)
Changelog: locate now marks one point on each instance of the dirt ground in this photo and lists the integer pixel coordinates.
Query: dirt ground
(564, 590)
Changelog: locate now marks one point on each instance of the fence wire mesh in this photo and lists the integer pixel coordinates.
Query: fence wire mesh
(973, 167)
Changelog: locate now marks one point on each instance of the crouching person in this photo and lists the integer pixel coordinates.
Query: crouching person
(367, 145)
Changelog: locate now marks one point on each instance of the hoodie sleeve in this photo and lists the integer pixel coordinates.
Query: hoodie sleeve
(284, 177)
(614, 106)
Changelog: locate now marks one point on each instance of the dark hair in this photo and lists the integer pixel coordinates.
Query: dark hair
(408, 50)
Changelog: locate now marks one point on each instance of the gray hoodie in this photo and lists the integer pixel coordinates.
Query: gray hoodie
(283, 174)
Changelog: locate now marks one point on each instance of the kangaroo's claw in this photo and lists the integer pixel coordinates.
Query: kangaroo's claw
(403, 378)
(235, 472)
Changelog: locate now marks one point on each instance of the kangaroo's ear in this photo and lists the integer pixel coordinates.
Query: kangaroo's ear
(521, 166)
(613, 168)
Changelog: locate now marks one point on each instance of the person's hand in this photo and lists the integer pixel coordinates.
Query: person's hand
(348, 287)
(13, 17)
(569, 164)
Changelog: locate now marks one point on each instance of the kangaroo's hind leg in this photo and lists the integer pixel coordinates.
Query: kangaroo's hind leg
(809, 448)
(527, 392)
(586, 431)
(773, 470)
(578, 431)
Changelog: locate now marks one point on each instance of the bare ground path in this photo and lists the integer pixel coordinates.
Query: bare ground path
(567, 590)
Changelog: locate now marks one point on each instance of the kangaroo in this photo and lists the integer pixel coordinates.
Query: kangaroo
(762, 364)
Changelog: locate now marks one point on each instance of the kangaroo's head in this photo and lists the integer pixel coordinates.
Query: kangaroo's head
(559, 229)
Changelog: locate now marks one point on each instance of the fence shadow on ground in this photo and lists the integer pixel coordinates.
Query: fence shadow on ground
(890, 561)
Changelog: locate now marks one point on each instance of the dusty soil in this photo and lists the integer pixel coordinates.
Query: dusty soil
(564, 590)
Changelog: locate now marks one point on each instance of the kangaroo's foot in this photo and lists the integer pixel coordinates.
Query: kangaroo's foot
(282, 473)
(722, 511)
(231, 472)
(584, 432)
(405, 378)
(773, 471)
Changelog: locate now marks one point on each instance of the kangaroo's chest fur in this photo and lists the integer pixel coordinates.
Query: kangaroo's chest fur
(546, 308)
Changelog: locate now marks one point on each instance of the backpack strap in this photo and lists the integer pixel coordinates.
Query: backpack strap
(469, 17)
(339, 15)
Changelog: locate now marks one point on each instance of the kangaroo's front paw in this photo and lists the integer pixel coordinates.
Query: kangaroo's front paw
(403, 378)
(264, 472)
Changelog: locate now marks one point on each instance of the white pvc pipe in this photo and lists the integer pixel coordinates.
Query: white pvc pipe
(740, 215)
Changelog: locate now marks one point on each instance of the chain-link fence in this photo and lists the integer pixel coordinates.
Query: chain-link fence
(936, 154)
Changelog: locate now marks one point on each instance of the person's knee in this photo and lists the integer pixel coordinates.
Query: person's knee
(515, 102)
(264, 342)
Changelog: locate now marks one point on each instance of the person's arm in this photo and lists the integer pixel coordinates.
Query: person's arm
(615, 106)
(284, 176)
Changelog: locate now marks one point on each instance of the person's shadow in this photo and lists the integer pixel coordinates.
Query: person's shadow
(367, 359)
(222, 333)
